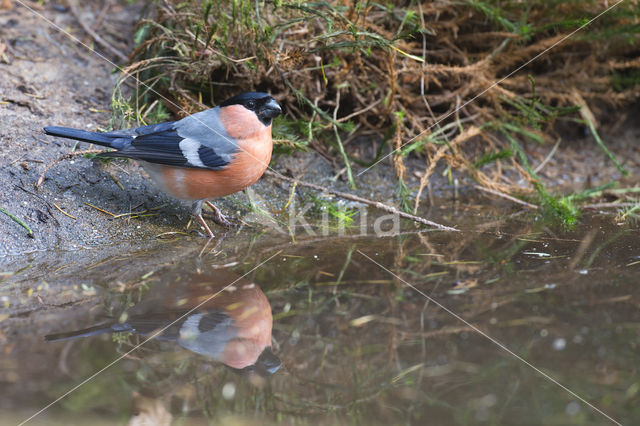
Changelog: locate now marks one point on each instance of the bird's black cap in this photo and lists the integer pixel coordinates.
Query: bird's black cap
(268, 361)
(243, 98)
(263, 104)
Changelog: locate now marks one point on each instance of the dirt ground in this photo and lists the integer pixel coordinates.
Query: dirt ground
(47, 79)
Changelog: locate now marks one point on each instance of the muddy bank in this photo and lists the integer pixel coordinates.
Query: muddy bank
(50, 80)
(47, 79)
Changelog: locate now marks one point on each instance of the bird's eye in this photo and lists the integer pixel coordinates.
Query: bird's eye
(251, 104)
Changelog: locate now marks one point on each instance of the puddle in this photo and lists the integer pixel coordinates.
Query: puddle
(359, 333)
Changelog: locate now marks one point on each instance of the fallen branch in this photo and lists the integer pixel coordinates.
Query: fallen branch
(506, 197)
(65, 157)
(614, 205)
(358, 199)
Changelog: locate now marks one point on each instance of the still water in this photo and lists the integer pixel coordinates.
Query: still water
(508, 322)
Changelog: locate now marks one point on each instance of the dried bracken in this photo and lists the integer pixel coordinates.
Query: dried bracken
(426, 75)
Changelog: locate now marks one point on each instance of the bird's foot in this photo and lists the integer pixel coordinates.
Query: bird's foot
(196, 211)
(205, 226)
(218, 217)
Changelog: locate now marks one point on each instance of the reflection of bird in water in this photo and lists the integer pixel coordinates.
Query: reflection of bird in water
(233, 327)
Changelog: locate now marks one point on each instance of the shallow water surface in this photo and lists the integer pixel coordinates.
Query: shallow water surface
(508, 322)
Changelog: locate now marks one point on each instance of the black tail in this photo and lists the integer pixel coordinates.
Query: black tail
(104, 139)
(91, 331)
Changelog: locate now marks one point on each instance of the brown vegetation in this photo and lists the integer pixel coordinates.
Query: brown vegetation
(430, 77)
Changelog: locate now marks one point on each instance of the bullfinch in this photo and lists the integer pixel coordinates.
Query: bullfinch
(232, 327)
(209, 154)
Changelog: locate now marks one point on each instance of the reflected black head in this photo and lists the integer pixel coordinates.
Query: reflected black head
(266, 364)
(268, 361)
(265, 107)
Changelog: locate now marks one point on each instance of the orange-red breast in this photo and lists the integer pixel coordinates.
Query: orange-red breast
(231, 324)
(206, 155)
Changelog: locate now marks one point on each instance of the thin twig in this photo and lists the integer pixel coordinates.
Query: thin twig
(548, 157)
(506, 197)
(46, 203)
(358, 199)
(63, 212)
(614, 205)
(115, 179)
(355, 114)
(93, 34)
(100, 210)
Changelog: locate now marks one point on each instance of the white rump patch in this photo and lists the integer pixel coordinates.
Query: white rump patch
(189, 148)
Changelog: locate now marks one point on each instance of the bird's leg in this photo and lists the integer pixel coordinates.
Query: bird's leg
(196, 211)
(218, 216)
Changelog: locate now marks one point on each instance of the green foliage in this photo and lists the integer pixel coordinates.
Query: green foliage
(525, 121)
(336, 210)
(495, 14)
(156, 114)
(123, 109)
(327, 59)
(591, 192)
(404, 194)
(100, 158)
(532, 113)
(490, 157)
(562, 209)
(288, 132)
(628, 79)
(538, 17)
(631, 214)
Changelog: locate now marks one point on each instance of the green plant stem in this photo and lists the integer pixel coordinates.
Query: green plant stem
(347, 164)
(352, 183)
(17, 220)
(601, 144)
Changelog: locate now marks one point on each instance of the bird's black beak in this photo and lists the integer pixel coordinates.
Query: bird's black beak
(270, 110)
(266, 364)
(268, 361)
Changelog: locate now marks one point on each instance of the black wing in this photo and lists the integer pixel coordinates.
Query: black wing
(161, 145)
(153, 322)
